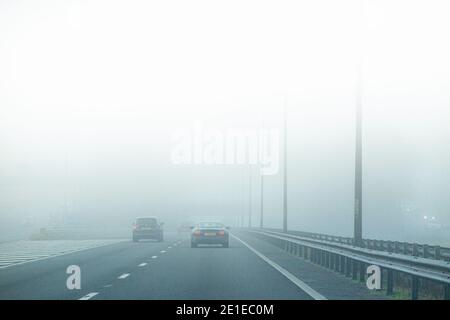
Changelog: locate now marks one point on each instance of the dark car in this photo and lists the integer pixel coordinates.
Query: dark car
(209, 233)
(147, 228)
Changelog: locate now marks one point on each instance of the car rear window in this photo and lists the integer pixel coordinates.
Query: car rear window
(210, 225)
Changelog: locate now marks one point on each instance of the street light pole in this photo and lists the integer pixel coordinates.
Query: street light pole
(285, 170)
(358, 173)
(261, 218)
(357, 233)
(262, 146)
(250, 197)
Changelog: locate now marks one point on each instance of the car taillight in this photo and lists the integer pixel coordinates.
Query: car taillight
(197, 233)
(221, 233)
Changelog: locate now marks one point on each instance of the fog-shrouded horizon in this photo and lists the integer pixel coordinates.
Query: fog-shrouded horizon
(96, 97)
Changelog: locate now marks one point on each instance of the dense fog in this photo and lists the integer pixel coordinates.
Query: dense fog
(105, 105)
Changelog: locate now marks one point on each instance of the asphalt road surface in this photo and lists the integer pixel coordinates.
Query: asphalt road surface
(248, 269)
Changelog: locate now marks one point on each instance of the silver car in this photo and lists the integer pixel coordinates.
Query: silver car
(209, 233)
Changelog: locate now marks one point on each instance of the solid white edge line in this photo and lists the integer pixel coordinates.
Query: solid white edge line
(143, 264)
(299, 283)
(154, 257)
(123, 276)
(89, 296)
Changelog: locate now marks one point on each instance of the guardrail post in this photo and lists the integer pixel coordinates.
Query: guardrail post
(390, 282)
(415, 250)
(425, 251)
(447, 291)
(336, 263)
(396, 247)
(390, 246)
(347, 266)
(378, 245)
(354, 270)
(362, 272)
(332, 261)
(414, 288)
(386, 245)
(405, 248)
(437, 252)
(327, 259)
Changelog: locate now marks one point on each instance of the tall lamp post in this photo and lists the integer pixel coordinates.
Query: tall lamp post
(261, 218)
(262, 145)
(250, 197)
(358, 172)
(357, 233)
(285, 209)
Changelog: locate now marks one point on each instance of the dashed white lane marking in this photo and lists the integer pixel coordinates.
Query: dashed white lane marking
(89, 296)
(154, 257)
(107, 285)
(169, 247)
(143, 264)
(123, 276)
(162, 251)
(299, 283)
